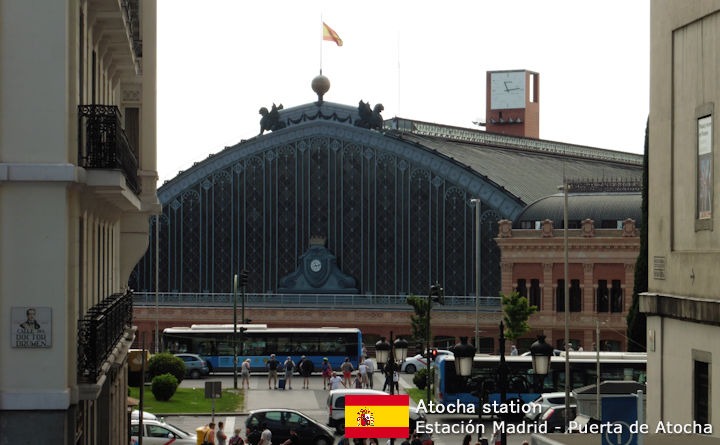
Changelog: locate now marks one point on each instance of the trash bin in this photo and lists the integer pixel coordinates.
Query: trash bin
(200, 432)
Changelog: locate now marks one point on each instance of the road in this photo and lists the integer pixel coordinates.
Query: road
(312, 402)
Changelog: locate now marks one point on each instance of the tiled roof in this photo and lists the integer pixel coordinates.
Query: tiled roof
(596, 206)
(532, 172)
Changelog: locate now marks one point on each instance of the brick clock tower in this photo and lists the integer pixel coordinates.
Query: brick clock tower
(513, 103)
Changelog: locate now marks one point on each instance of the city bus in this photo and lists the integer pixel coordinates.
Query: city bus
(483, 385)
(215, 344)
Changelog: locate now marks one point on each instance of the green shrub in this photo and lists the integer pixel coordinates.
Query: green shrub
(420, 378)
(164, 386)
(166, 363)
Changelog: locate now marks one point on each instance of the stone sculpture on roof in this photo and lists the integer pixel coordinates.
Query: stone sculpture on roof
(370, 119)
(270, 120)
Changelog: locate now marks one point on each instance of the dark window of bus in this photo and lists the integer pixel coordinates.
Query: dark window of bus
(535, 293)
(616, 300)
(224, 344)
(610, 345)
(560, 296)
(602, 296)
(575, 296)
(521, 288)
(486, 345)
(523, 344)
(255, 345)
(701, 388)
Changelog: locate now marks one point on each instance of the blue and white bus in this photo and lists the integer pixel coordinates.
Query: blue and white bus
(215, 344)
(484, 379)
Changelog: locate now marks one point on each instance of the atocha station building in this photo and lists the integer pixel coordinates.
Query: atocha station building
(337, 215)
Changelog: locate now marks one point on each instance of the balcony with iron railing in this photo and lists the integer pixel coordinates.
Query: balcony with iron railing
(103, 144)
(321, 301)
(99, 331)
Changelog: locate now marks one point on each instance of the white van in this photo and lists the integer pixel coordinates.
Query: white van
(336, 407)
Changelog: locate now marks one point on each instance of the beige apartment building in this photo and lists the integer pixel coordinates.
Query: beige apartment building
(77, 187)
(683, 301)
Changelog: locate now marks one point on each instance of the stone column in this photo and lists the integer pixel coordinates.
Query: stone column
(547, 290)
(628, 285)
(507, 279)
(588, 297)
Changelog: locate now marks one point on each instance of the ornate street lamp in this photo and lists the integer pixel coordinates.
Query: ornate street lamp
(382, 351)
(541, 353)
(400, 348)
(464, 354)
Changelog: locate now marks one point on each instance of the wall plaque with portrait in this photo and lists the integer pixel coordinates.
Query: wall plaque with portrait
(705, 173)
(31, 327)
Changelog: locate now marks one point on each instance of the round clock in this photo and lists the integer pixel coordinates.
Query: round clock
(315, 265)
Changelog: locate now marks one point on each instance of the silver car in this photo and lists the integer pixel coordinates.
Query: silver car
(158, 433)
(545, 401)
(413, 364)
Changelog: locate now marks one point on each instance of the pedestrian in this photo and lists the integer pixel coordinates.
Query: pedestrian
(580, 348)
(245, 373)
(306, 369)
(416, 440)
(220, 435)
(362, 371)
(326, 372)
(236, 439)
(289, 367)
(272, 366)
(513, 350)
(209, 435)
(335, 381)
(347, 368)
(293, 440)
(358, 381)
(396, 381)
(467, 439)
(265, 436)
(370, 369)
(388, 379)
(254, 435)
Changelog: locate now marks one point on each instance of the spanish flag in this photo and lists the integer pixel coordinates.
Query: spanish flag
(383, 416)
(329, 34)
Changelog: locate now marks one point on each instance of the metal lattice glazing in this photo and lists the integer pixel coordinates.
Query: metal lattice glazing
(398, 218)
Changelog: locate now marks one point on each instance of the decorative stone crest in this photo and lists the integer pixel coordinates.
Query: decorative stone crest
(505, 228)
(588, 228)
(629, 228)
(547, 228)
(588, 267)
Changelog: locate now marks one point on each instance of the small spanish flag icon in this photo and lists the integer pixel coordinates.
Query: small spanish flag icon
(383, 416)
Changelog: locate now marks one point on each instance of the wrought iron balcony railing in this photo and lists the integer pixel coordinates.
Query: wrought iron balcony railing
(102, 142)
(99, 331)
(350, 301)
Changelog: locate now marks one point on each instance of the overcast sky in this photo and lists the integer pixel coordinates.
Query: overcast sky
(219, 61)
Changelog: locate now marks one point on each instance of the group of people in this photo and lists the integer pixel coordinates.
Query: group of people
(219, 437)
(261, 436)
(305, 367)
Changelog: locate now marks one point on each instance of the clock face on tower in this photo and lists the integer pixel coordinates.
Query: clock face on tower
(315, 265)
(507, 90)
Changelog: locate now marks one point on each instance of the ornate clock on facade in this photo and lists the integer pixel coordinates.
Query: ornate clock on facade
(315, 265)
(512, 103)
(507, 90)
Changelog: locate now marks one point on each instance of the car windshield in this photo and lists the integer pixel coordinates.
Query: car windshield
(178, 429)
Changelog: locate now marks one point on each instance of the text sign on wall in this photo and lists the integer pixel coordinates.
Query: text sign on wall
(705, 173)
(31, 327)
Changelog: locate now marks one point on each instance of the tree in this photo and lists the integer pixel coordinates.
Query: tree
(419, 321)
(636, 320)
(166, 363)
(516, 310)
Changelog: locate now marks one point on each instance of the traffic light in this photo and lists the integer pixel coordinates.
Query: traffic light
(433, 354)
(243, 278)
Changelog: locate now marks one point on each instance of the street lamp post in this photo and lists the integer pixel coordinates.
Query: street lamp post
(434, 295)
(502, 373)
(390, 354)
(565, 187)
(477, 271)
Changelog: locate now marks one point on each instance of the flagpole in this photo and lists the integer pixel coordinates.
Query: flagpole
(322, 25)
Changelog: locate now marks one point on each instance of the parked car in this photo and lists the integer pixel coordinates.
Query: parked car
(158, 433)
(195, 366)
(555, 418)
(280, 421)
(336, 407)
(545, 401)
(413, 364)
(135, 415)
